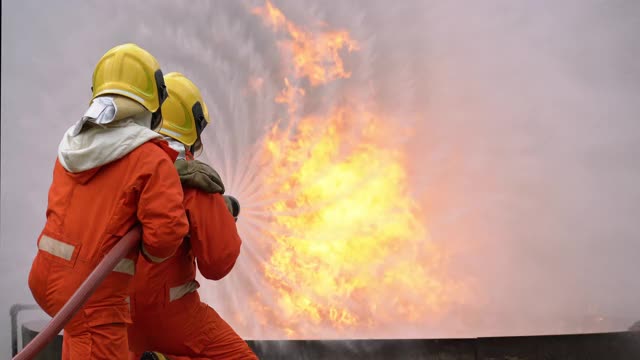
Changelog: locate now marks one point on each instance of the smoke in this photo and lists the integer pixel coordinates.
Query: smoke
(531, 110)
(524, 133)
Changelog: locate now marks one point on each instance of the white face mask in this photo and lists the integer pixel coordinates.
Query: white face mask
(102, 111)
(177, 146)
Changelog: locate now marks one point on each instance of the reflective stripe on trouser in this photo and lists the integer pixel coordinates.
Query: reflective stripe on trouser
(155, 259)
(178, 292)
(65, 251)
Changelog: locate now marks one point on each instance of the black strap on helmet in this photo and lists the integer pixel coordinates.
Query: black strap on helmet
(201, 123)
(162, 88)
(156, 117)
(198, 117)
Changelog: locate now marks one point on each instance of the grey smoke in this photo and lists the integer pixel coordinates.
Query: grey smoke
(524, 150)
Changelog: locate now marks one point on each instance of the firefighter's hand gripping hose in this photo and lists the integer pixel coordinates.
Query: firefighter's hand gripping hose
(196, 174)
(124, 246)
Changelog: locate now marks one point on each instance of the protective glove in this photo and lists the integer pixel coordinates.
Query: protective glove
(196, 174)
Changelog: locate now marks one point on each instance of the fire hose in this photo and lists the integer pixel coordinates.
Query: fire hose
(128, 242)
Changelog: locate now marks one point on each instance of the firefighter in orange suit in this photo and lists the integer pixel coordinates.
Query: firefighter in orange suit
(168, 316)
(112, 173)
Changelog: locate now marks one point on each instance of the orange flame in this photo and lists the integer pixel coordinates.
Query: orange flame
(349, 247)
(349, 250)
(289, 96)
(315, 56)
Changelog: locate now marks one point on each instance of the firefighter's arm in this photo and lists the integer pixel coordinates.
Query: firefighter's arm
(160, 207)
(214, 237)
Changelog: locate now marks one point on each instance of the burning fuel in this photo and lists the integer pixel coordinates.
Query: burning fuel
(347, 250)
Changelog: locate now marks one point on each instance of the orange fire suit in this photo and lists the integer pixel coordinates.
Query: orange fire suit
(167, 313)
(87, 213)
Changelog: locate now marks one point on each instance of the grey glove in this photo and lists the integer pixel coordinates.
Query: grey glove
(196, 174)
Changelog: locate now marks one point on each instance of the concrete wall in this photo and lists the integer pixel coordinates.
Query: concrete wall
(606, 346)
(609, 346)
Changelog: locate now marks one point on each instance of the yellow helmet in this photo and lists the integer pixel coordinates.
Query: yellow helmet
(184, 112)
(130, 71)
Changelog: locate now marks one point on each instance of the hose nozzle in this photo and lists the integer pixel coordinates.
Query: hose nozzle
(233, 204)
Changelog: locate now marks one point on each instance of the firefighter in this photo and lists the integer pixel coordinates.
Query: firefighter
(112, 173)
(168, 316)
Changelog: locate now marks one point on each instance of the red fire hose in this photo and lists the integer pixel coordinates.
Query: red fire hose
(122, 248)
